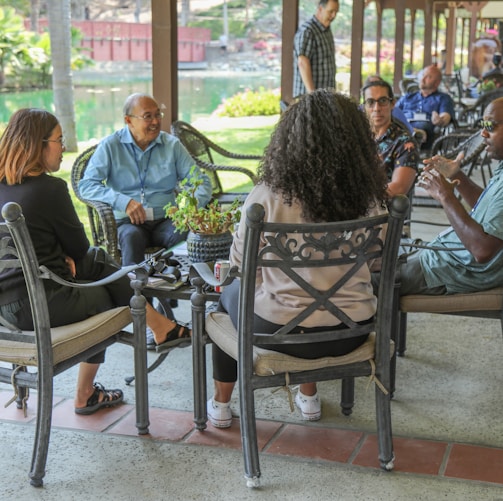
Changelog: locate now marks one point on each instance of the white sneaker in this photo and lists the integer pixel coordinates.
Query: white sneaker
(310, 407)
(219, 414)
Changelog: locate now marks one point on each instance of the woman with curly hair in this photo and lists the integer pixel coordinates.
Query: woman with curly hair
(321, 165)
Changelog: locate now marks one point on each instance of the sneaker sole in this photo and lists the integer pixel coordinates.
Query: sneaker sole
(220, 424)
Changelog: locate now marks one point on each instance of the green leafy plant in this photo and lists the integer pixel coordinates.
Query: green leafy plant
(188, 216)
(251, 103)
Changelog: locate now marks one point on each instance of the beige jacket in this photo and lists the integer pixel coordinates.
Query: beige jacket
(277, 297)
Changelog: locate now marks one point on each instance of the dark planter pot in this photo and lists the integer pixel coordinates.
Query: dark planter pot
(208, 248)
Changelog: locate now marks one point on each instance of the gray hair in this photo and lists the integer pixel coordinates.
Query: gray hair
(132, 100)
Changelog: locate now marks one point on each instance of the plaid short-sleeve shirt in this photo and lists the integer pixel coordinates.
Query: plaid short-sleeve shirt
(315, 42)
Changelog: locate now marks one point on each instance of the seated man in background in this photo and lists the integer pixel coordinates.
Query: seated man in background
(428, 109)
(396, 113)
(397, 149)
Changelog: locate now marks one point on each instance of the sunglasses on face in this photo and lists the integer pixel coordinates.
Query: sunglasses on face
(488, 125)
(382, 101)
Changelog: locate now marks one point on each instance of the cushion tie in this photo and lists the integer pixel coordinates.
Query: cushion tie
(373, 378)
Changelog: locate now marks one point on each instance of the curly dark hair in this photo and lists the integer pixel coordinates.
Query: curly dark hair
(323, 155)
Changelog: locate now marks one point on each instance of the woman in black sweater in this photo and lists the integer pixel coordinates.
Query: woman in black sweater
(31, 148)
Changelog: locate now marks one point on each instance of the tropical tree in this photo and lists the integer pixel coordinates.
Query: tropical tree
(13, 40)
(62, 82)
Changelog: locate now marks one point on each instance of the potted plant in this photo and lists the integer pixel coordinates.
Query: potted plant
(209, 237)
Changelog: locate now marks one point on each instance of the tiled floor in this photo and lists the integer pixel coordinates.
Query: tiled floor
(311, 442)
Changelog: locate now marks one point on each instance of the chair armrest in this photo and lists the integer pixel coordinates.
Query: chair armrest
(204, 271)
(229, 168)
(47, 274)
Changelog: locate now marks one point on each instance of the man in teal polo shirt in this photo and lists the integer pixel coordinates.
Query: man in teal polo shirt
(479, 233)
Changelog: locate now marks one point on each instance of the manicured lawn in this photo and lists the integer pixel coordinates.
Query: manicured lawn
(248, 135)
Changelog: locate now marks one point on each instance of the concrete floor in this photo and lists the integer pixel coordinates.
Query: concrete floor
(449, 393)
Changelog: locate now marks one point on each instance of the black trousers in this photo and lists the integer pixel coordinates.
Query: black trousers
(68, 305)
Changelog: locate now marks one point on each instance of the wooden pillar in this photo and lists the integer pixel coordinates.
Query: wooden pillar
(355, 82)
(399, 43)
(450, 40)
(412, 34)
(165, 59)
(288, 29)
(378, 37)
(428, 33)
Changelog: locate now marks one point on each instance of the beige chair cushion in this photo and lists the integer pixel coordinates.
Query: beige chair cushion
(266, 362)
(490, 300)
(69, 340)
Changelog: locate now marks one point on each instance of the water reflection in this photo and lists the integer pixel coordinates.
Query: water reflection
(98, 108)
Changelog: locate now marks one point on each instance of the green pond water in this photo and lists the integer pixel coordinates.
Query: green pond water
(98, 106)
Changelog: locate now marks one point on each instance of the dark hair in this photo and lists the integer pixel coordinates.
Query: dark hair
(377, 83)
(22, 144)
(322, 155)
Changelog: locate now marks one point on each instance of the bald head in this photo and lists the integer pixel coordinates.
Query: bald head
(493, 129)
(432, 76)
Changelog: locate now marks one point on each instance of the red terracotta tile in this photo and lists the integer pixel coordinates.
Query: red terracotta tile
(231, 437)
(414, 456)
(65, 417)
(12, 413)
(164, 424)
(314, 442)
(472, 462)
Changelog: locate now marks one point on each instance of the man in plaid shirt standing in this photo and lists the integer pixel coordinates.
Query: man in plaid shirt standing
(314, 51)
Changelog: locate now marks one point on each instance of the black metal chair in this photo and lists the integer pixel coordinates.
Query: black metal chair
(472, 114)
(204, 152)
(288, 249)
(49, 351)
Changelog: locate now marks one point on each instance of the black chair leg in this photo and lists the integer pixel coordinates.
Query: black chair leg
(401, 344)
(347, 395)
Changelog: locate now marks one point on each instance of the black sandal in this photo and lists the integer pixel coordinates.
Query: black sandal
(110, 399)
(174, 337)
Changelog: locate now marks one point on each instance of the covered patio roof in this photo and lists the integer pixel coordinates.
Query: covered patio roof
(164, 41)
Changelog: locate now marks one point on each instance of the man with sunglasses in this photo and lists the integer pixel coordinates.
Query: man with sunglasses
(473, 256)
(397, 148)
(428, 108)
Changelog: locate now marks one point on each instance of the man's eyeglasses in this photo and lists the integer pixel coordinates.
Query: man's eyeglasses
(488, 125)
(148, 117)
(382, 101)
(60, 140)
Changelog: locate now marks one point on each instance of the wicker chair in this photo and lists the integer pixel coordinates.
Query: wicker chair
(48, 351)
(203, 151)
(101, 216)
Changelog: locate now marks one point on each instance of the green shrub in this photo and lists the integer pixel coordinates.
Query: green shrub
(250, 103)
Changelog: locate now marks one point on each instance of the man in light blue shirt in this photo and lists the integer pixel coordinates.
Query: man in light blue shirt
(475, 262)
(136, 171)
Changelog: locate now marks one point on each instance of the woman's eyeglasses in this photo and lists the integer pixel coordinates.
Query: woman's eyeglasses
(148, 117)
(60, 140)
(382, 101)
(488, 125)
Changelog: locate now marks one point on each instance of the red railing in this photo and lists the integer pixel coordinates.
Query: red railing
(110, 41)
